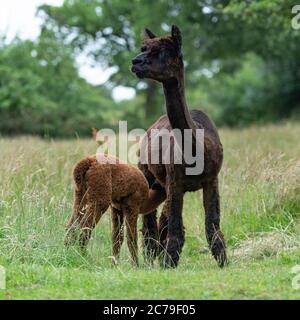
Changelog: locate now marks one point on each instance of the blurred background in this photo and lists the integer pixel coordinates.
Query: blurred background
(65, 65)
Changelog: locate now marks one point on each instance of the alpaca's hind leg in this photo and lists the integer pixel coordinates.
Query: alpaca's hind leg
(153, 235)
(150, 236)
(118, 232)
(163, 229)
(149, 228)
(214, 234)
(175, 237)
(131, 216)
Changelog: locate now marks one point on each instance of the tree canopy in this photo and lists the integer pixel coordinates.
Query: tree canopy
(218, 37)
(42, 93)
(241, 57)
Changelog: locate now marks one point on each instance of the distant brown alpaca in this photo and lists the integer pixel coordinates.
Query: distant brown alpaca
(94, 133)
(102, 181)
(161, 59)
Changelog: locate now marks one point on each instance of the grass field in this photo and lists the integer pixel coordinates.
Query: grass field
(260, 201)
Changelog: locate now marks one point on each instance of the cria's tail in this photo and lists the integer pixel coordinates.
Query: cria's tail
(79, 176)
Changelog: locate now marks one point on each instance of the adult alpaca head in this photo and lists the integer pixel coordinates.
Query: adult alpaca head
(160, 58)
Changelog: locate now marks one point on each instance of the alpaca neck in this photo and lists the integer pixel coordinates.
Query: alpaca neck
(178, 113)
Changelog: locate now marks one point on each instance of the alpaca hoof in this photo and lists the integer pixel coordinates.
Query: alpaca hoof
(222, 259)
(169, 262)
(219, 253)
(218, 249)
(172, 252)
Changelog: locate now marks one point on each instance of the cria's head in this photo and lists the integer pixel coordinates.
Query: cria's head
(160, 58)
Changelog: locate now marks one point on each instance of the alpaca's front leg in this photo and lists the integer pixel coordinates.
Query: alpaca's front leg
(175, 237)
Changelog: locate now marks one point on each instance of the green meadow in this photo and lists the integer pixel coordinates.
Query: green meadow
(260, 202)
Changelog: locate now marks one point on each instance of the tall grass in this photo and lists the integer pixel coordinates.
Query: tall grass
(259, 184)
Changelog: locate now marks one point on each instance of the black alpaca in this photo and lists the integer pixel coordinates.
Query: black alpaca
(161, 60)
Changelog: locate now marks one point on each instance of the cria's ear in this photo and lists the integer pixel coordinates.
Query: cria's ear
(176, 36)
(147, 34)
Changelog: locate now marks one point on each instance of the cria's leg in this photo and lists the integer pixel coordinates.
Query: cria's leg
(98, 197)
(79, 210)
(131, 216)
(214, 234)
(89, 221)
(118, 232)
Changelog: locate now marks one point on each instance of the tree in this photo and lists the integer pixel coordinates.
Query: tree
(218, 35)
(104, 29)
(42, 93)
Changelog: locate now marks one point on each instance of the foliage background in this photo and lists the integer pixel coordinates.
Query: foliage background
(242, 64)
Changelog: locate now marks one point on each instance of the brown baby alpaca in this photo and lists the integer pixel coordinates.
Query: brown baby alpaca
(102, 181)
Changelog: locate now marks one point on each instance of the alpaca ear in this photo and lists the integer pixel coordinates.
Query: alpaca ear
(147, 34)
(176, 36)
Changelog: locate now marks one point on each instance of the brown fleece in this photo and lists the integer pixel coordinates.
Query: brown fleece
(102, 181)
